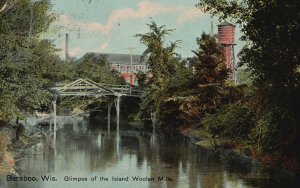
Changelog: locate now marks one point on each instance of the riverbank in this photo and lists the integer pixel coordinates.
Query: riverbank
(239, 149)
(14, 141)
(238, 154)
(235, 152)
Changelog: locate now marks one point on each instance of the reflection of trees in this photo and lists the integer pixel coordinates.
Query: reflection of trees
(166, 156)
(103, 156)
(163, 157)
(175, 156)
(212, 172)
(95, 150)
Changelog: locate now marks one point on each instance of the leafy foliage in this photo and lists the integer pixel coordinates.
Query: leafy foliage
(166, 69)
(26, 61)
(232, 121)
(91, 66)
(160, 57)
(208, 62)
(272, 54)
(96, 68)
(270, 134)
(206, 86)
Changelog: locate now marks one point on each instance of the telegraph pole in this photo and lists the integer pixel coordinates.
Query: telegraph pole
(67, 47)
(131, 66)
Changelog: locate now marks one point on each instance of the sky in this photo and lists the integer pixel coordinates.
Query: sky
(110, 26)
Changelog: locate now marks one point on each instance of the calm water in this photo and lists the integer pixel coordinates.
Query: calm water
(85, 152)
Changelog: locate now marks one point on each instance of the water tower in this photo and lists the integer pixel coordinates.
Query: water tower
(226, 36)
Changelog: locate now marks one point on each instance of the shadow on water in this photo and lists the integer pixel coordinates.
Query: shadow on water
(85, 151)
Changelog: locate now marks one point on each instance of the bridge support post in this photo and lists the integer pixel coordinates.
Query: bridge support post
(153, 119)
(108, 115)
(50, 124)
(117, 104)
(54, 122)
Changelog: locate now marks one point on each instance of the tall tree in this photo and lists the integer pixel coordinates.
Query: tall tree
(5, 5)
(272, 53)
(164, 65)
(160, 58)
(208, 62)
(27, 60)
(207, 80)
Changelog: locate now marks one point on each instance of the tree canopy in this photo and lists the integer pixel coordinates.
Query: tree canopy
(165, 69)
(270, 29)
(206, 82)
(27, 61)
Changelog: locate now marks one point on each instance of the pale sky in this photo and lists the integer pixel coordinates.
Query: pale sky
(109, 26)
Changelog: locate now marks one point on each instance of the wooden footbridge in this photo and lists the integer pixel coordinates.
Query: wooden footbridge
(89, 88)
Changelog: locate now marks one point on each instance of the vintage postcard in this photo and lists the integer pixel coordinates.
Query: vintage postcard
(149, 93)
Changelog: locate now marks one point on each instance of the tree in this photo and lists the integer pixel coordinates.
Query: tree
(165, 66)
(206, 86)
(272, 54)
(270, 28)
(27, 60)
(232, 121)
(6, 5)
(96, 68)
(209, 62)
(160, 57)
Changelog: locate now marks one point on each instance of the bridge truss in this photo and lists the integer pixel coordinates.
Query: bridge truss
(89, 88)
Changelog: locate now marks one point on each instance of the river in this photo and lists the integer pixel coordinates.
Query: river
(91, 156)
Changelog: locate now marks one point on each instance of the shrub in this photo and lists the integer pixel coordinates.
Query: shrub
(6, 159)
(275, 129)
(231, 121)
(4, 142)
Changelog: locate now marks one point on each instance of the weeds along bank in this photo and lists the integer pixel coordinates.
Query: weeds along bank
(7, 162)
(14, 141)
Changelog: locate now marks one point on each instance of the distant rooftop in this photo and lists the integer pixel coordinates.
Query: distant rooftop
(122, 58)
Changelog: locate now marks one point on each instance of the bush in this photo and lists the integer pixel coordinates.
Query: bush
(275, 129)
(4, 142)
(6, 159)
(231, 121)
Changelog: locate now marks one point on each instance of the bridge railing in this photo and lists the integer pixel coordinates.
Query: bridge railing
(125, 89)
(89, 87)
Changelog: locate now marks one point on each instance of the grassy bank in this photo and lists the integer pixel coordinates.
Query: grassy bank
(240, 149)
(7, 161)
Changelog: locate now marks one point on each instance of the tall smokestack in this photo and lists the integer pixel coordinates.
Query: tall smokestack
(67, 47)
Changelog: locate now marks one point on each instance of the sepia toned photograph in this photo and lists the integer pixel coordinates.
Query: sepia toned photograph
(149, 94)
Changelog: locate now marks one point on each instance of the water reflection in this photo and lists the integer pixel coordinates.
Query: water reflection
(87, 151)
